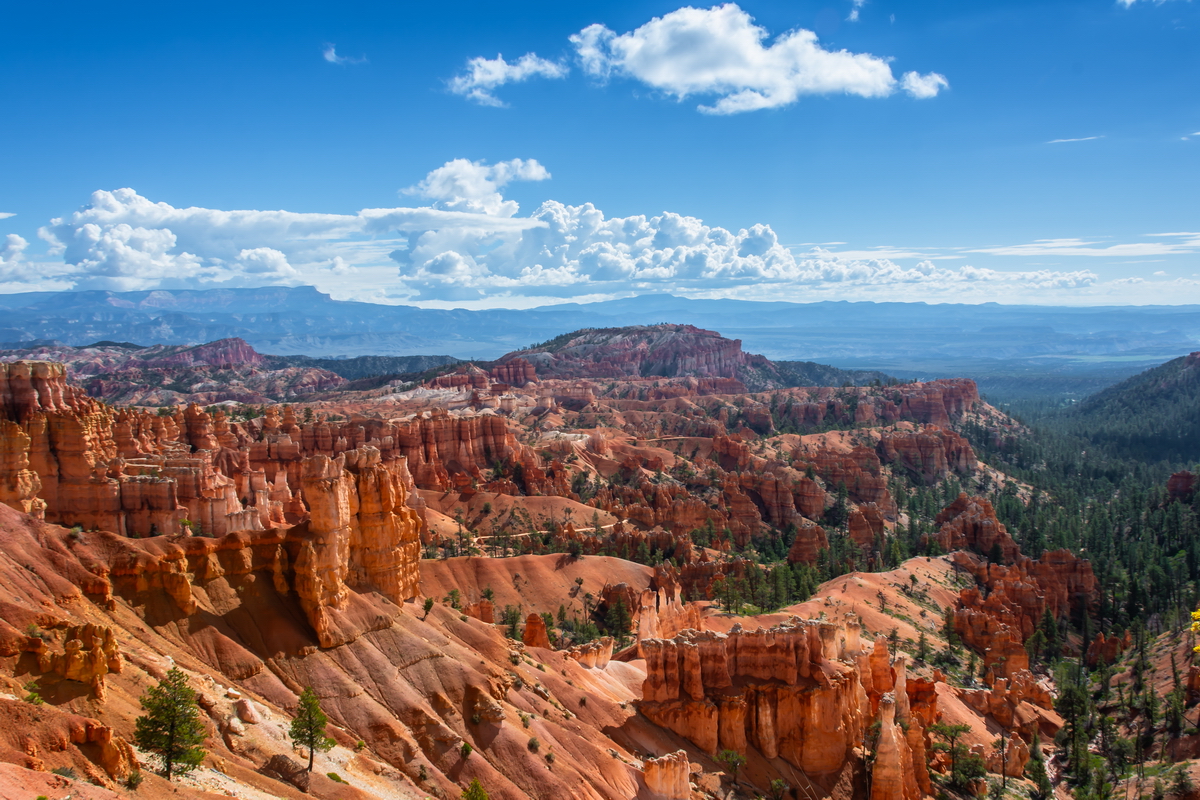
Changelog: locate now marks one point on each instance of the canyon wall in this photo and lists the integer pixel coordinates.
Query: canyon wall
(805, 691)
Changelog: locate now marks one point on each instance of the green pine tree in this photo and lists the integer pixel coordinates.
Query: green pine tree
(171, 726)
(475, 791)
(308, 726)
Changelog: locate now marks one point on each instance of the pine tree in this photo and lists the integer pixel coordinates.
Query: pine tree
(1035, 769)
(308, 726)
(171, 726)
(475, 791)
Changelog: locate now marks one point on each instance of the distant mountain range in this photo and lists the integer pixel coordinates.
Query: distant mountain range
(1008, 349)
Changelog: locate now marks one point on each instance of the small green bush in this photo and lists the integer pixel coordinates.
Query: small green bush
(66, 772)
(465, 750)
(134, 780)
(534, 744)
(333, 776)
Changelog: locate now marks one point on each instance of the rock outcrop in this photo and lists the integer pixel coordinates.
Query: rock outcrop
(535, 634)
(360, 535)
(929, 454)
(794, 691)
(667, 777)
(969, 523)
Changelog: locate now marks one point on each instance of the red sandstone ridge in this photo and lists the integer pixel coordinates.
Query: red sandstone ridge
(638, 350)
(227, 369)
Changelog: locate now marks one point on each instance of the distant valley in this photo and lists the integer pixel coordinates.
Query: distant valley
(1013, 352)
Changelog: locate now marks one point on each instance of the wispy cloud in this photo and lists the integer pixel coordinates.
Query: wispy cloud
(1081, 139)
(1187, 243)
(6, 214)
(1190, 136)
(330, 55)
(855, 7)
(484, 75)
(822, 251)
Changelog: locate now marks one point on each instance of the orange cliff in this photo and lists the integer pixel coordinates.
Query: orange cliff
(77, 461)
(805, 691)
(931, 453)
(360, 534)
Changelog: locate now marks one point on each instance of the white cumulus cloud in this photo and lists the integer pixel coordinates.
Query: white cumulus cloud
(472, 186)
(720, 52)
(122, 241)
(471, 244)
(12, 254)
(923, 87)
(484, 75)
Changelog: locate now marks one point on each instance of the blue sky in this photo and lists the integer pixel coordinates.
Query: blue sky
(1044, 152)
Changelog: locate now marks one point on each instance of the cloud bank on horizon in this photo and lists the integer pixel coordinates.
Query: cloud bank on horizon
(716, 52)
(469, 244)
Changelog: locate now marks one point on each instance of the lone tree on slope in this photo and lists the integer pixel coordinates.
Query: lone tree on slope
(308, 726)
(171, 726)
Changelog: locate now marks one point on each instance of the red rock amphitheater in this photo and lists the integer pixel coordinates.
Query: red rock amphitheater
(264, 553)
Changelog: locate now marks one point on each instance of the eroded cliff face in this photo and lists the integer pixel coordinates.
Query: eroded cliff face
(77, 461)
(969, 523)
(805, 691)
(666, 350)
(360, 534)
(930, 454)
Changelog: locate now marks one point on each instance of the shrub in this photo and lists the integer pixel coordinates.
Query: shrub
(134, 780)
(34, 695)
(333, 776)
(66, 772)
(534, 744)
(465, 750)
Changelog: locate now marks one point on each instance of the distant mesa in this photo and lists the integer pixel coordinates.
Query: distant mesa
(673, 351)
